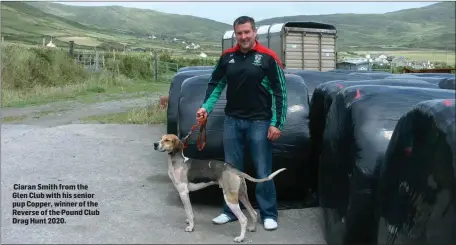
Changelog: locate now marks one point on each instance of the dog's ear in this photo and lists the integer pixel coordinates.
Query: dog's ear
(178, 145)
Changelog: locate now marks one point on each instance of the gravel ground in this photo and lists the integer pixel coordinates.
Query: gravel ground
(136, 201)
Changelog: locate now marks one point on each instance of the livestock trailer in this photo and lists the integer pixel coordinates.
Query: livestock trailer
(299, 45)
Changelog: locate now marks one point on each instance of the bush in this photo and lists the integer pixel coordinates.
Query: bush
(166, 56)
(24, 68)
(131, 66)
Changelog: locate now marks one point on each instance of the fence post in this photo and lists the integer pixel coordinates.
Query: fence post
(71, 49)
(97, 61)
(155, 66)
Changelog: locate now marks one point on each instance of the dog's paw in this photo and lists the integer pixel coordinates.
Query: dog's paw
(251, 228)
(189, 228)
(238, 239)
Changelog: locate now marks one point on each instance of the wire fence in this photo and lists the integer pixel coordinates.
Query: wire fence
(97, 61)
(158, 63)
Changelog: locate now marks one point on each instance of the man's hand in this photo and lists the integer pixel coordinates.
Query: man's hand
(273, 133)
(201, 114)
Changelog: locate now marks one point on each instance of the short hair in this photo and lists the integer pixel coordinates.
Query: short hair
(244, 19)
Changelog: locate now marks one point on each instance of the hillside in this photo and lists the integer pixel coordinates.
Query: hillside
(26, 24)
(139, 22)
(431, 27)
(114, 27)
(428, 27)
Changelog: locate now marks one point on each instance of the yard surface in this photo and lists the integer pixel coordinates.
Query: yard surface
(53, 144)
(136, 201)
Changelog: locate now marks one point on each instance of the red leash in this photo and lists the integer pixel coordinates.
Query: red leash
(200, 144)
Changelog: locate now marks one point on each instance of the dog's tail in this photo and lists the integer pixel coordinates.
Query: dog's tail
(246, 176)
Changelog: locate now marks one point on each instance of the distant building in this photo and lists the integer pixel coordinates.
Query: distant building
(192, 46)
(400, 61)
(355, 65)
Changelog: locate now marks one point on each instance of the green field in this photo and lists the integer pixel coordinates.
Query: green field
(433, 56)
(416, 55)
(113, 27)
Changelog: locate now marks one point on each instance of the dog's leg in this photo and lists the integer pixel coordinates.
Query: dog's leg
(244, 198)
(199, 186)
(232, 200)
(185, 198)
(196, 187)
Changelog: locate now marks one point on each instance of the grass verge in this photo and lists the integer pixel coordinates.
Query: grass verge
(12, 119)
(19, 118)
(100, 87)
(152, 114)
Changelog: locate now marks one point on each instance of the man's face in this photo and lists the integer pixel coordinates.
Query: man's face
(245, 35)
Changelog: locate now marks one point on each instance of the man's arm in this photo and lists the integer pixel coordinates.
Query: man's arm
(279, 93)
(216, 84)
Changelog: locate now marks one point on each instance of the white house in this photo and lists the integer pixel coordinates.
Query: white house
(192, 46)
(50, 44)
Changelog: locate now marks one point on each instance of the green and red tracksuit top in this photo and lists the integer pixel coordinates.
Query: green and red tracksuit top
(256, 85)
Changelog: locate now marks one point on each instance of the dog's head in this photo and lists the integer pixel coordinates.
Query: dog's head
(169, 143)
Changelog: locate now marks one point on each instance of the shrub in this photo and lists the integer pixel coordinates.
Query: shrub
(24, 68)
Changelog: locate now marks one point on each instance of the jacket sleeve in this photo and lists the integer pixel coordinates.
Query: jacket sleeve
(216, 84)
(279, 94)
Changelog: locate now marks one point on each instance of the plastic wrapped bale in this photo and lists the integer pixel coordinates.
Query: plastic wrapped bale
(320, 103)
(357, 132)
(290, 71)
(433, 80)
(193, 91)
(173, 98)
(367, 75)
(449, 83)
(403, 75)
(417, 181)
(193, 68)
(314, 78)
(289, 151)
(351, 71)
(446, 75)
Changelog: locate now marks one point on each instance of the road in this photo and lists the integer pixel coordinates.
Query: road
(136, 200)
(68, 112)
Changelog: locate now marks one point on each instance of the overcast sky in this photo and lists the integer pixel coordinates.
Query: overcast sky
(226, 12)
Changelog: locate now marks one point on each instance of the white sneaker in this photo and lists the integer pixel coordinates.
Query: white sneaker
(270, 224)
(221, 219)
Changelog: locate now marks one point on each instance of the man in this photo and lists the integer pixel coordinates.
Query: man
(255, 111)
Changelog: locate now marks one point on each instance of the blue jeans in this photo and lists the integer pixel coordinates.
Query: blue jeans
(236, 134)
